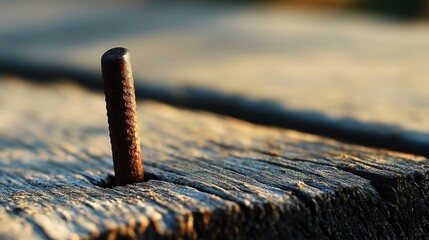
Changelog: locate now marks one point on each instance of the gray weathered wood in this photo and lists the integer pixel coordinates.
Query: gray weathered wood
(208, 176)
(345, 76)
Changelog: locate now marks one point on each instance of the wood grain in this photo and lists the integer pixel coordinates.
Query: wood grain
(208, 176)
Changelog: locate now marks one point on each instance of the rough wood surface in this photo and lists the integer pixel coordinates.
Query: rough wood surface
(352, 77)
(208, 177)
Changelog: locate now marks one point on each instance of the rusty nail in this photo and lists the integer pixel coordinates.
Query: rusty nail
(122, 116)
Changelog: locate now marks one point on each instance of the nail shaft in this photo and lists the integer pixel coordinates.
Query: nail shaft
(122, 116)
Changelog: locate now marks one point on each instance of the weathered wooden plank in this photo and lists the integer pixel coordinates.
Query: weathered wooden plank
(347, 77)
(208, 176)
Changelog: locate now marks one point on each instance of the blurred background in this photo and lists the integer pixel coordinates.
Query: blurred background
(359, 59)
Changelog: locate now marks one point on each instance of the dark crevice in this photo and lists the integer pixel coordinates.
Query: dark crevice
(258, 112)
(109, 181)
(384, 185)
